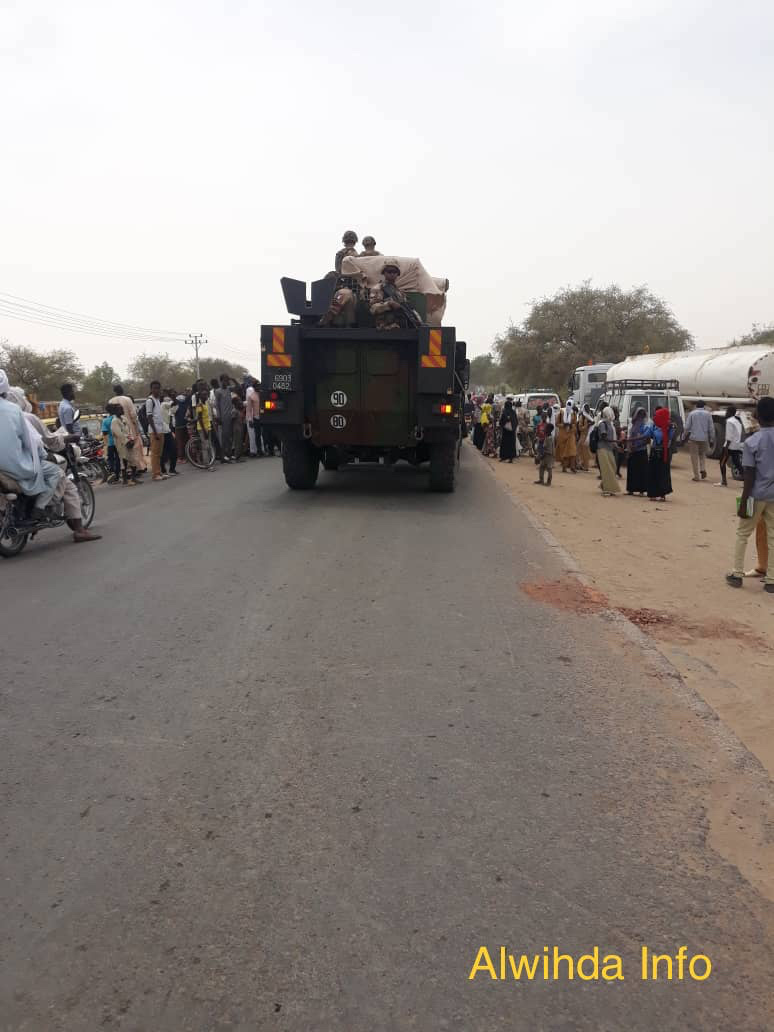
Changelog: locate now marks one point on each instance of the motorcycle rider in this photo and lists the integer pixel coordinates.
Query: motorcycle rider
(22, 457)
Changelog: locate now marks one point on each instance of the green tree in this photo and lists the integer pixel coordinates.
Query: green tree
(41, 373)
(145, 368)
(212, 367)
(586, 324)
(484, 371)
(757, 335)
(98, 384)
(172, 373)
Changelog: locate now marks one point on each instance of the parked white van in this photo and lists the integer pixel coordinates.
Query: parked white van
(536, 397)
(629, 395)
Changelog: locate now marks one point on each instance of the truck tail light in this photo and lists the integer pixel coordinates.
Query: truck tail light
(272, 405)
(444, 408)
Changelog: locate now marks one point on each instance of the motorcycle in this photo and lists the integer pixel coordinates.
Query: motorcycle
(92, 460)
(17, 527)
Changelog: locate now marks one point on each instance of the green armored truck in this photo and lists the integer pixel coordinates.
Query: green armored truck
(338, 387)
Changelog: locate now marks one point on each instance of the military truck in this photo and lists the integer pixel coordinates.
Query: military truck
(336, 395)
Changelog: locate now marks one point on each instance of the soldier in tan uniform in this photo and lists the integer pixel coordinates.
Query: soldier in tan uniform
(348, 250)
(342, 309)
(387, 311)
(370, 248)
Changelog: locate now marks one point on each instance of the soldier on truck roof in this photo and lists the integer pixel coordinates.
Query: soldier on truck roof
(388, 311)
(341, 311)
(349, 239)
(370, 248)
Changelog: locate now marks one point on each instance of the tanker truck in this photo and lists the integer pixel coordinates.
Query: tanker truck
(718, 376)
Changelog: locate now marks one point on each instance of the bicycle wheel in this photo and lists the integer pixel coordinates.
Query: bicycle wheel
(199, 453)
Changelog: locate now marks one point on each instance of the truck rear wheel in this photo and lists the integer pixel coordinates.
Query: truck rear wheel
(300, 464)
(443, 462)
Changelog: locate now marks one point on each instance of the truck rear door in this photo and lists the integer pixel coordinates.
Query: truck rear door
(363, 391)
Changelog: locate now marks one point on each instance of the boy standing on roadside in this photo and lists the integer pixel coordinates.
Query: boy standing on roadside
(546, 454)
(758, 466)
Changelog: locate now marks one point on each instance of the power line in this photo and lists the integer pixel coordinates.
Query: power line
(14, 307)
(76, 326)
(53, 310)
(238, 351)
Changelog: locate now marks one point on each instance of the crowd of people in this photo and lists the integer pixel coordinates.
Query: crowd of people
(223, 415)
(580, 441)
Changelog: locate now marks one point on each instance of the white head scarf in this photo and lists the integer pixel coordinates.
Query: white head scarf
(567, 416)
(17, 395)
(33, 442)
(608, 414)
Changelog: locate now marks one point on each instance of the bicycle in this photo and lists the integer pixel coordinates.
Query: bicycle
(199, 450)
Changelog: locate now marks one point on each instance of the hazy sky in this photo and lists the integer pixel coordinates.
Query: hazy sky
(164, 163)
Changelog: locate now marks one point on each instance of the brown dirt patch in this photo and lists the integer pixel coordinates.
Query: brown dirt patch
(568, 594)
(672, 627)
(572, 596)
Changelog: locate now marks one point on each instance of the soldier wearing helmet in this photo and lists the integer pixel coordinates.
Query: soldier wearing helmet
(341, 311)
(370, 248)
(349, 240)
(388, 304)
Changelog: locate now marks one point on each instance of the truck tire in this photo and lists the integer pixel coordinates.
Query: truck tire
(720, 436)
(300, 464)
(443, 462)
(331, 459)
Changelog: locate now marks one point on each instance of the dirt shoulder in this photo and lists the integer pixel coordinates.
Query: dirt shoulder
(662, 566)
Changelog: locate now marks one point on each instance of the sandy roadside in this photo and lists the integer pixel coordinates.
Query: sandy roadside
(663, 566)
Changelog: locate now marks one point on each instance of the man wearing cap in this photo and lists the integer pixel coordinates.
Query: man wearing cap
(385, 300)
(349, 240)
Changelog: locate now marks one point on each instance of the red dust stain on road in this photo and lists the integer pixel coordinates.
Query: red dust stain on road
(568, 594)
(572, 596)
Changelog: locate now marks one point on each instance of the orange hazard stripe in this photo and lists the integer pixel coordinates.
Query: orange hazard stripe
(434, 346)
(433, 361)
(278, 339)
(279, 360)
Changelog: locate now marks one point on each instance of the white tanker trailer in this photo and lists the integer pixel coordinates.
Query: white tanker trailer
(719, 376)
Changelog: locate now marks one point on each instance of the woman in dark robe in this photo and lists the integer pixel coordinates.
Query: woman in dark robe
(637, 466)
(660, 462)
(478, 429)
(508, 433)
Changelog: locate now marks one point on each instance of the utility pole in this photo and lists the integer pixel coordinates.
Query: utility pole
(196, 340)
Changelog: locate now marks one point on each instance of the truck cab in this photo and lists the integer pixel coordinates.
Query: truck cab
(588, 382)
(629, 395)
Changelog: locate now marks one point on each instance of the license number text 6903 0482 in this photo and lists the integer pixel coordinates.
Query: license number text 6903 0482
(282, 382)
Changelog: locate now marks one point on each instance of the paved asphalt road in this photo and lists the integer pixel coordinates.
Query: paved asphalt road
(277, 760)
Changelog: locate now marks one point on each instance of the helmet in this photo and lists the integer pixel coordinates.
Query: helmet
(349, 235)
(391, 265)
